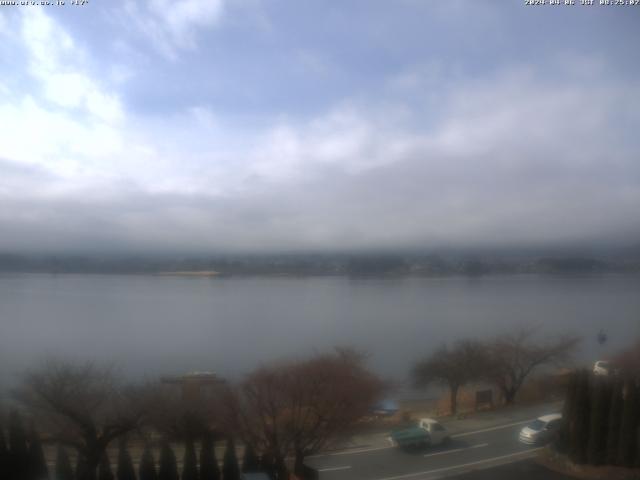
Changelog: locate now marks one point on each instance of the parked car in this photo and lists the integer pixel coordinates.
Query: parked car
(420, 433)
(602, 368)
(541, 430)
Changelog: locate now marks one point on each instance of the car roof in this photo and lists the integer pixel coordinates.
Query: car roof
(552, 416)
(428, 420)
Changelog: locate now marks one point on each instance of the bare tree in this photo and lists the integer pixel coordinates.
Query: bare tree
(513, 356)
(82, 406)
(454, 367)
(301, 407)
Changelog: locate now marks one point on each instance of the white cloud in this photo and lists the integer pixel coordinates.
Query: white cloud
(506, 158)
(67, 123)
(171, 25)
(56, 61)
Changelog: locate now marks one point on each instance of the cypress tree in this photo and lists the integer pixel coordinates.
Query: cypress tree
(637, 452)
(282, 472)
(267, 465)
(597, 445)
(82, 470)
(147, 469)
(104, 469)
(568, 412)
(168, 465)
(190, 462)
(4, 455)
(230, 469)
(579, 434)
(209, 469)
(250, 461)
(18, 452)
(615, 415)
(37, 465)
(63, 468)
(626, 445)
(125, 470)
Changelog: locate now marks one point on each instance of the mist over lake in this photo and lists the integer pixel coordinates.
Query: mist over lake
(152, 325)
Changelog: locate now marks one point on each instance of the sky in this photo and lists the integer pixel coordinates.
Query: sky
(251, 125)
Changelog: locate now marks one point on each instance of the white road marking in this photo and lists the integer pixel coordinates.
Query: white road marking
(492, 428)
(480, 445)
(348, 452)
(462, 465)
(332, 469)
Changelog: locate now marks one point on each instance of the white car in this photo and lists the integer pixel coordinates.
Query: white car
(601, 368)
(542, 429)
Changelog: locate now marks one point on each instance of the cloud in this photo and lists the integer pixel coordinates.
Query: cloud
(67, 122)
(497, 168)
(54, 61)
(507, 156)
(172, 26)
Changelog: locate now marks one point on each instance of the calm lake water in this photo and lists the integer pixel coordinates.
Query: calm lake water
(157, 324)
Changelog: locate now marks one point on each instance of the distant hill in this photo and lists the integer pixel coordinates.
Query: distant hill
(319, 264)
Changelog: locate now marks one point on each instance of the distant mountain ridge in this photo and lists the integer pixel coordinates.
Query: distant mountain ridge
(320, 264)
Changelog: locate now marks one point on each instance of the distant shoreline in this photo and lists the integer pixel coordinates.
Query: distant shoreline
(190, 273)
(217, 274)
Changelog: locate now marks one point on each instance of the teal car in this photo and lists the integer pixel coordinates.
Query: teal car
(421, 433)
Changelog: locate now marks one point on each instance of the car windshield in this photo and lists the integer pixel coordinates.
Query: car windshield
(537, 425)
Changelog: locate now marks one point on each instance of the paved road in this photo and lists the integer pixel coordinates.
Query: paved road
(521, 470)
(467, 451)
(475, 421)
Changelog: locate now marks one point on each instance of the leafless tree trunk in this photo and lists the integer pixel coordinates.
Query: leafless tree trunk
(513, 356)
(298, 408)
(452, 366)
(81, 406)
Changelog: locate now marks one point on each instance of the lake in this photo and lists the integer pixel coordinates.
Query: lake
(151, 325)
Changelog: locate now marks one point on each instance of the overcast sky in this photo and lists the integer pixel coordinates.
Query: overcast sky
(214, 125)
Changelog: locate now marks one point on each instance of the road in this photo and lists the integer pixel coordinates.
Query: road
(472, 450)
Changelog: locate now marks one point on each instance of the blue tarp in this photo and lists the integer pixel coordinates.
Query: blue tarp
(386, 407)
